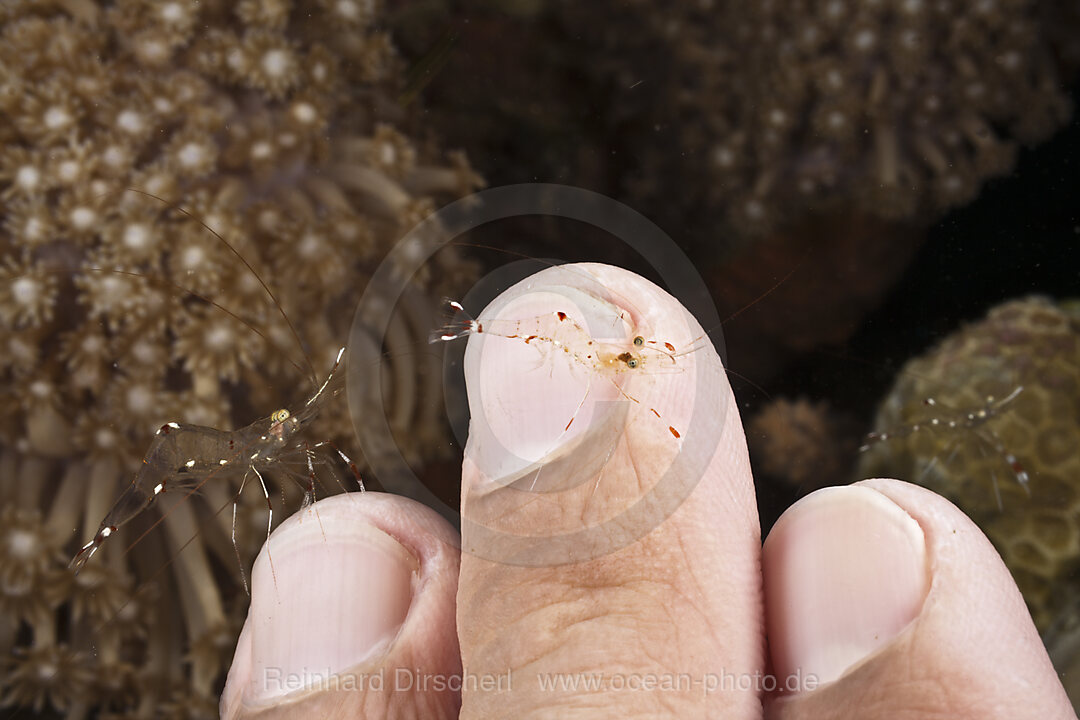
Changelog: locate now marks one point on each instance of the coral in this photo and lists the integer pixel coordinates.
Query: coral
(273, 125)
(899, 109)
(796, 441)
(1031, 344)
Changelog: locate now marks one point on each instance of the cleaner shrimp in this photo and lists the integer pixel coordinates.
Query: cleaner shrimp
(558, 332)
(960, 424)
(184, 457)
(624, 353)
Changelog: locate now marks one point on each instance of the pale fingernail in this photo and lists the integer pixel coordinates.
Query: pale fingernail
(531, 395)
(332, 594)
(845, 571)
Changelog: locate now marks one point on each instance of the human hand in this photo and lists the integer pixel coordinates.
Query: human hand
(631, 566)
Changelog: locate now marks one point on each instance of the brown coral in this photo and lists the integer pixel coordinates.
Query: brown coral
(897, 109)
(111, 302)
(797, 441)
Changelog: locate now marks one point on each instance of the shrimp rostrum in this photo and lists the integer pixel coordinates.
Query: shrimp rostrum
(184, 457)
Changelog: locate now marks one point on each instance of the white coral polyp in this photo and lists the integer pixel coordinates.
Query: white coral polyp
(152, 50)
(40, 389)
(115, 157)
(353, 11)
(140, 400)
(93, 344)
(33, 231)
(865, 40)
(262, 150)
(105, 439)
(174, 14)
(137, 236)
(28, 178)
(27, 292)
(305, 113)
(112, 294)
(83, 218)
(237, 61)
(277, 64)
(387, 154)
(193, 258)
(194, 155)
(68, 171)
(312, 246)
(218, 337)
(131, 121)
(22, 544)
(57, 118)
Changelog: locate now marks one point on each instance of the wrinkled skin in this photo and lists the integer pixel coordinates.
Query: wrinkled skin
(636, 554)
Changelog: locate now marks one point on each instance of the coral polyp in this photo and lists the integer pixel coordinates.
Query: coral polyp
(252, 119)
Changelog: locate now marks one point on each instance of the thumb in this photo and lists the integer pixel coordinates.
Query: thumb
(352, 615)
(610, 539)
(894, 601)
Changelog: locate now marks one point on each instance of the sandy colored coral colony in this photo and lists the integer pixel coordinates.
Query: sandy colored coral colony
(1031, 344)
(795, 441)
(273, 124)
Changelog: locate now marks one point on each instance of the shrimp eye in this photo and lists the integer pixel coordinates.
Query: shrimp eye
(280, 415)
(639, 341)
(632, 363)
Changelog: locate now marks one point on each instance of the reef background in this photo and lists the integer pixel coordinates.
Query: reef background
(541, 91)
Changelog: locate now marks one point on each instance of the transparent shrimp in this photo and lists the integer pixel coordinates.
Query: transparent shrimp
(185, 457)
(558, 332)
(964, 423)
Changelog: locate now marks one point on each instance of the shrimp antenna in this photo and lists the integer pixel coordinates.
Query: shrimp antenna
(189, 291)
(234, 251)
(435, 337)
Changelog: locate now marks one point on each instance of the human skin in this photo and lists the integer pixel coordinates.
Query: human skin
(624, 558)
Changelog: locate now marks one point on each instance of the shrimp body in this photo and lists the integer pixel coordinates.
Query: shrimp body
(184, 457)
(558, 332)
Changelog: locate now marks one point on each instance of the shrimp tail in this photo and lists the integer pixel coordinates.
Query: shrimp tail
(456, 323)
(87, 551)
(130, 503)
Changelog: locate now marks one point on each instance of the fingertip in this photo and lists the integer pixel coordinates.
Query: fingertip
(845, 571)
(344, 594)
(970, 651)
(239, 676)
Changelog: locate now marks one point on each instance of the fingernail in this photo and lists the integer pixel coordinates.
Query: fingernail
(532, 394)
(331, 594)
(845, 571)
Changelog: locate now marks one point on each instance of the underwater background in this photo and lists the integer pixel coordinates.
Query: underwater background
(880, 195)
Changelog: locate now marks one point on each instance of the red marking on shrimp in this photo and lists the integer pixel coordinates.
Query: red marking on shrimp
(610, 358)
